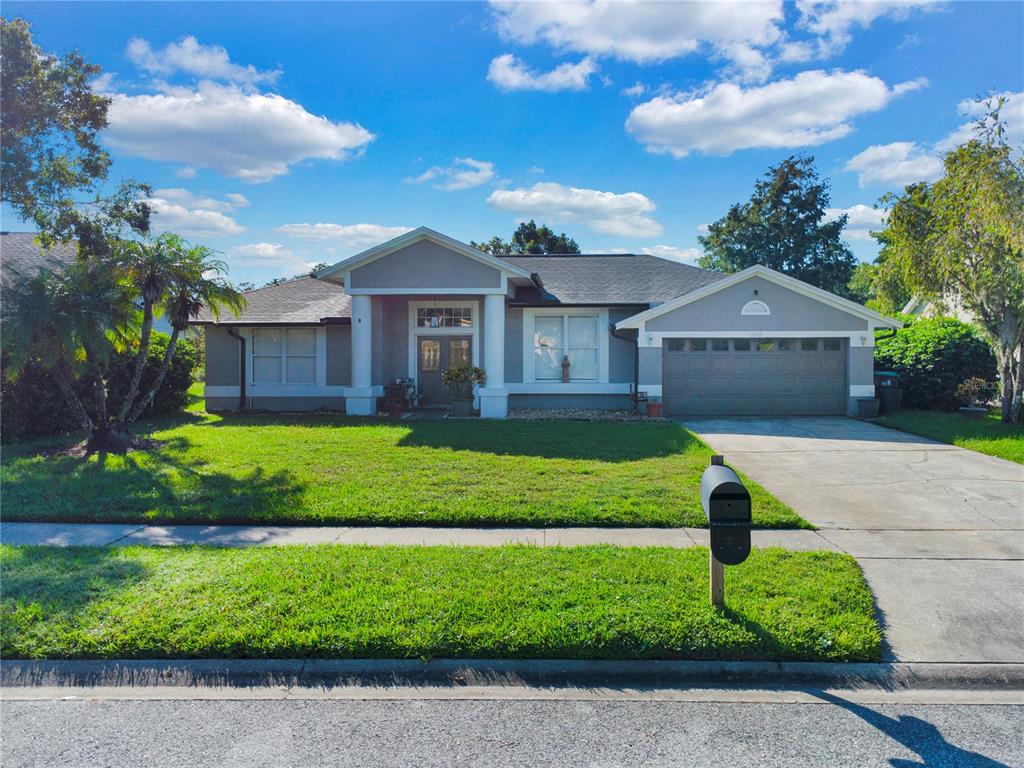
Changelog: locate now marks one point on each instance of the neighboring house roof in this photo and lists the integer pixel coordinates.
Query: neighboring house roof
(302, 301)
(608, 279)
(21, 254)
(758, 270)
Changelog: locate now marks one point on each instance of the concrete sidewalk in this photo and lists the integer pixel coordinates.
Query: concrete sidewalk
(85, 534)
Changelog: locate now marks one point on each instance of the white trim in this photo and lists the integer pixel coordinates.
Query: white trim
(756, 308)
(862, 390)
(639, 320)
(572, 388)
(653, 390)
(421, 233)
(422, 291)
(267, 390)
(530, 313)
(655, 338)
(473, 330)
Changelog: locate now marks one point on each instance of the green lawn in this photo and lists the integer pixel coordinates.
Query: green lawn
(420, 602)
(987, 435)
(319, 469)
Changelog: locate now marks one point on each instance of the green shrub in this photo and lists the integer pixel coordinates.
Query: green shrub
(933, 357)
(33, 407)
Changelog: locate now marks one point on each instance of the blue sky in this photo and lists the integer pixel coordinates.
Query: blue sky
(289, 134)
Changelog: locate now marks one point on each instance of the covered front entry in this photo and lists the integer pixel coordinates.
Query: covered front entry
(754, 377)
(433, 355)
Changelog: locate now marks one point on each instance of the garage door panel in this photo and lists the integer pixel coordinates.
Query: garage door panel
(796, 380)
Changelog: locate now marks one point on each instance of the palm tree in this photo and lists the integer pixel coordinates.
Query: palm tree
(196, 281)
(72, 319)
(69, 320)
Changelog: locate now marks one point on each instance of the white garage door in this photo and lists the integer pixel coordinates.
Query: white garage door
(754, 377)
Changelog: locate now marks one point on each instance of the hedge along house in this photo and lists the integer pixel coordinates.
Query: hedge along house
(755, 343)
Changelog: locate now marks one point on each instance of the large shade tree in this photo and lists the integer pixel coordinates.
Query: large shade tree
(960, 241)
(70, 319)
(784, 226)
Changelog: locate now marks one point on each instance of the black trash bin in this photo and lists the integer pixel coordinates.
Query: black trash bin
(888, 391)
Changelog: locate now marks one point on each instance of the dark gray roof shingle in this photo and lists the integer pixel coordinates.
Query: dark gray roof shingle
(20, 254)
(303, 300)
(609, 279)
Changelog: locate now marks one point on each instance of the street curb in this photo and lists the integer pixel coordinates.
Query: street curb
(547, 673)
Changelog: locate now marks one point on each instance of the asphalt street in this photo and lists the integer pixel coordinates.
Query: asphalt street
(267, 733)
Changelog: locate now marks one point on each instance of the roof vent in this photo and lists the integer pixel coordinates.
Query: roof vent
(757, 308)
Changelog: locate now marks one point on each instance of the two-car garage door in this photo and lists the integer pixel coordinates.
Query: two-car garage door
(754, 377)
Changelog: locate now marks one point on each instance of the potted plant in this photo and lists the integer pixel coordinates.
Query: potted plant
(969, 393)
(460, 380)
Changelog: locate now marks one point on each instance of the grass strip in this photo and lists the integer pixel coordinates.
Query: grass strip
(985, 435)
(597, 602)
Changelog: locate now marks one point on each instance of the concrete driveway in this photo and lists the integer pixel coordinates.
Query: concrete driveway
(938, 530)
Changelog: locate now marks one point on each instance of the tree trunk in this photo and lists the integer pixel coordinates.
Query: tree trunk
(63, 381)
(112, 437)
(164, 365)
(140, 361)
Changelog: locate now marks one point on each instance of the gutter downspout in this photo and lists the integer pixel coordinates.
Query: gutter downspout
(241, 367)
(636, 354)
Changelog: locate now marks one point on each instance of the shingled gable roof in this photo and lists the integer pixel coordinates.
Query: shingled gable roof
(604, 279)
(20, 254)
(303, 301)
(608, 279)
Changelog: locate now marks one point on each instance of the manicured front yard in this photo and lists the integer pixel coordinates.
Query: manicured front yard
(319, 469)
(986, 435)
(521, 602)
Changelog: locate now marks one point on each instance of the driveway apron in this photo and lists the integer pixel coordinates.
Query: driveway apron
(938, 530)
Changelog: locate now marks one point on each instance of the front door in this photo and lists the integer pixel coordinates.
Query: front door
(434, 354)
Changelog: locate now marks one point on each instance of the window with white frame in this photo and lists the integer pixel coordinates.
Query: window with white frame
(284, 356)
(558, 336)
(444, 317)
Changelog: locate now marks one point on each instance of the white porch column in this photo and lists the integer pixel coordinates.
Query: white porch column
(493, 395)
(359, 399)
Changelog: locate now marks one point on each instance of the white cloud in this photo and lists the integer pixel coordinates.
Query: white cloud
(186, 172)
(354, 237)
(634, 91)
(511, 74)
(834, 20)
(537, 170)
(673, 253)
(904, 162)
(861, 220)
(269, 256)
(190, 57)
(1012, 114)
(811, 109)
(894, 165)
(642, 32)
(464, 173)
(607, 212)
(179, 210)
(249, 136)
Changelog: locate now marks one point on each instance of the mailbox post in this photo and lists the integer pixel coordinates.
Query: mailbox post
(726, 502)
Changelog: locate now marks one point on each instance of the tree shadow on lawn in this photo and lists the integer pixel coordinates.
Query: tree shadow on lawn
(590, 440)
(159, 485)
(64, 580)
(549, 439)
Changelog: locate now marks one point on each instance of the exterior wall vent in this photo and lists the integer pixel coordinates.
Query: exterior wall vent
(755, 308)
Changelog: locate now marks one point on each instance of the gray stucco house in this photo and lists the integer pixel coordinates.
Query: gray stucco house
(704, 343)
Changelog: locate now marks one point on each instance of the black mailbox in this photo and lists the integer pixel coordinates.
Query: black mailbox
(727, 504)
